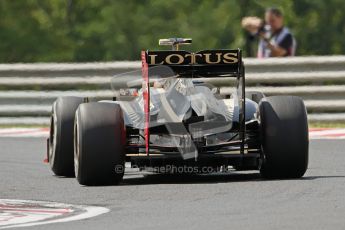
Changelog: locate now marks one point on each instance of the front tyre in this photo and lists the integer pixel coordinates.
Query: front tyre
(284, 134)
(99, 140)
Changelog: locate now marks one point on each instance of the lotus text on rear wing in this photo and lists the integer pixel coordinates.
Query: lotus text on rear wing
(186, 58)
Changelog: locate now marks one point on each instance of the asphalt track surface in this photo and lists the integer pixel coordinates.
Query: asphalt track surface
(232, 201)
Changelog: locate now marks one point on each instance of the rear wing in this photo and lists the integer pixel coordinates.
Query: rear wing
(206, 63)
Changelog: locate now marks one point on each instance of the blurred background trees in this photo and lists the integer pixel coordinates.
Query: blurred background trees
(103, 30)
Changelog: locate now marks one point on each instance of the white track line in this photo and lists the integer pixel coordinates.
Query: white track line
(322, 133)
(327, 134)
(25, 213)
(24, 132)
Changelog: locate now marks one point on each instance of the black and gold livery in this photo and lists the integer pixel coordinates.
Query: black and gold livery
(186, 125)
(206, 62)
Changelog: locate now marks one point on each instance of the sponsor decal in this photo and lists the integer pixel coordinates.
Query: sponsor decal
(186, 58)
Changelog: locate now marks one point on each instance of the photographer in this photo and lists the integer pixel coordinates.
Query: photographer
(275, 39)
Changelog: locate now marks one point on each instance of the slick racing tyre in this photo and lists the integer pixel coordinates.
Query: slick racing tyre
(99, 141)
(284, 134)
(60, 154)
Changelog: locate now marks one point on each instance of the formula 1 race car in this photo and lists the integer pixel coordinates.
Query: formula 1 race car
(172, 119)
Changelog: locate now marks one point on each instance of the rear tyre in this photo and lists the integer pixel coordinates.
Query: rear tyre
(284, 133)
(100, 138)
(60, 152)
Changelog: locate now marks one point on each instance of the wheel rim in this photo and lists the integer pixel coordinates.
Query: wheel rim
(76, 146)
(53, 136)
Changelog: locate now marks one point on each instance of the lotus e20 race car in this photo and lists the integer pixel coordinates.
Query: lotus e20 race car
(169, 116)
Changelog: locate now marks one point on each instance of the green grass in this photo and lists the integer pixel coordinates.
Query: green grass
(4, 126)
(326, 124)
